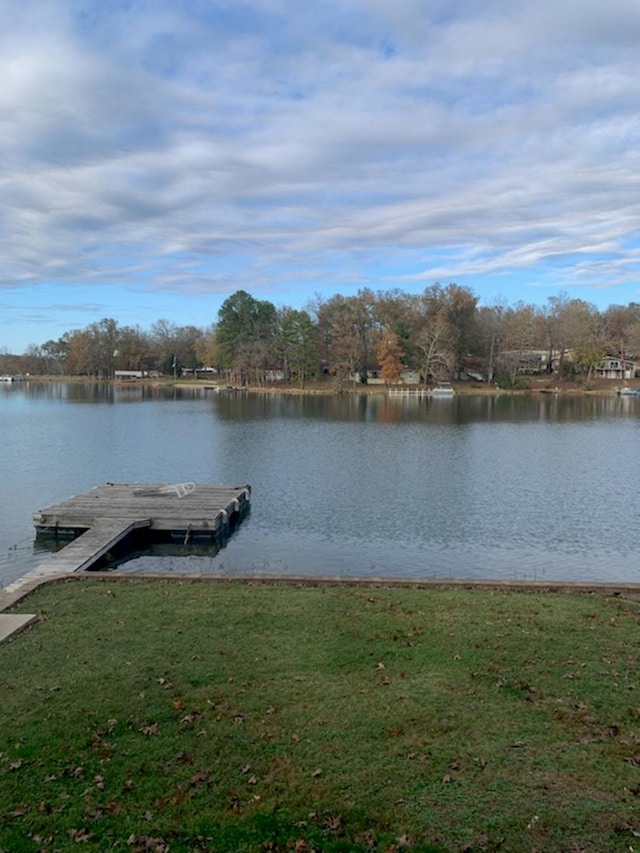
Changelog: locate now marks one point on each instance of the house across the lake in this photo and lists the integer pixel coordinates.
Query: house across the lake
(615, 367)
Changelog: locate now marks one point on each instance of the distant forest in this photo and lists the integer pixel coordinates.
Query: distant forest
(440, 334)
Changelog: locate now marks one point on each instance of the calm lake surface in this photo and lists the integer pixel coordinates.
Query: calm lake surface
(541, 487)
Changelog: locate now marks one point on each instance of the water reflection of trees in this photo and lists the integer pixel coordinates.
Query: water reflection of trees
(378, 408)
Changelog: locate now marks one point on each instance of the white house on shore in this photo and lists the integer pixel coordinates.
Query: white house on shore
(614, 367)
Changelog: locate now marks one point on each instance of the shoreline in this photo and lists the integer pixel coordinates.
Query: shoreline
(599, 387)
(627, 590)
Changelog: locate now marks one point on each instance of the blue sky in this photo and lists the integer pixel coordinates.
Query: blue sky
(157, 155)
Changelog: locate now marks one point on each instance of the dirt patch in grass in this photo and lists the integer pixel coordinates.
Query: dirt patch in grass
(176, 716)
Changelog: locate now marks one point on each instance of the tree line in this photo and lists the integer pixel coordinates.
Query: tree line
(433, 336)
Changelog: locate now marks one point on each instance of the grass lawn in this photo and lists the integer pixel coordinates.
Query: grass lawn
(185, 716)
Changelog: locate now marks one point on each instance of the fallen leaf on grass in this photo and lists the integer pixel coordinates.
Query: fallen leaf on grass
(480, 843)
(334, 823)
(316, 773)
(93, 813)
(235, 805)
(80, 836)
(626, 827)
(41, 839)
(19, 811)
(150, 729)
(146, 844)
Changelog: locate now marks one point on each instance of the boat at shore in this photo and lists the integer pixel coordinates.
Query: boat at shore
(628, 391)
(445, 389)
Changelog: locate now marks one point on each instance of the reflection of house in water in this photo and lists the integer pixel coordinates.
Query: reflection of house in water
(614, 367)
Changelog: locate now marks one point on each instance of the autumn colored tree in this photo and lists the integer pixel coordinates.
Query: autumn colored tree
(389, 354)
(520, 333)
(622, 325)
(348, 330)
(396, 312)
(460, 305)
(102, 347)
(77, 345)
(341, 345)
(206, 348)
(434, 338)
(134, 350)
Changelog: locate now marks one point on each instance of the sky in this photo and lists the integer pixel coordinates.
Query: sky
(158, 155)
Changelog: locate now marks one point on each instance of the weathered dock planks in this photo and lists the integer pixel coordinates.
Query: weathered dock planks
(91, 545)
(180, 507)
(106, 515)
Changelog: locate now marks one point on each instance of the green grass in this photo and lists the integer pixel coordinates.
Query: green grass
(176, 716)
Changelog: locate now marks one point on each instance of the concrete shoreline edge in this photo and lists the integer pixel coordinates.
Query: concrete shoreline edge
(14, 623)
(8, 600)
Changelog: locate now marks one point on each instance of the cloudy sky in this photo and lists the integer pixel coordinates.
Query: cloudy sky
(158, 155)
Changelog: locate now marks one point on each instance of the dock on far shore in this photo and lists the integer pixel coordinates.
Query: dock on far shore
(104, 516)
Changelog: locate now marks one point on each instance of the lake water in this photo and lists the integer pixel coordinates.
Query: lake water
(516, 488)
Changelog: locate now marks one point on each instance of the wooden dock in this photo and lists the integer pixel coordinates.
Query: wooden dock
(104, 516)
(176, 508)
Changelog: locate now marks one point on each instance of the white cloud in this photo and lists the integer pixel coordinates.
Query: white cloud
(150, 144)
